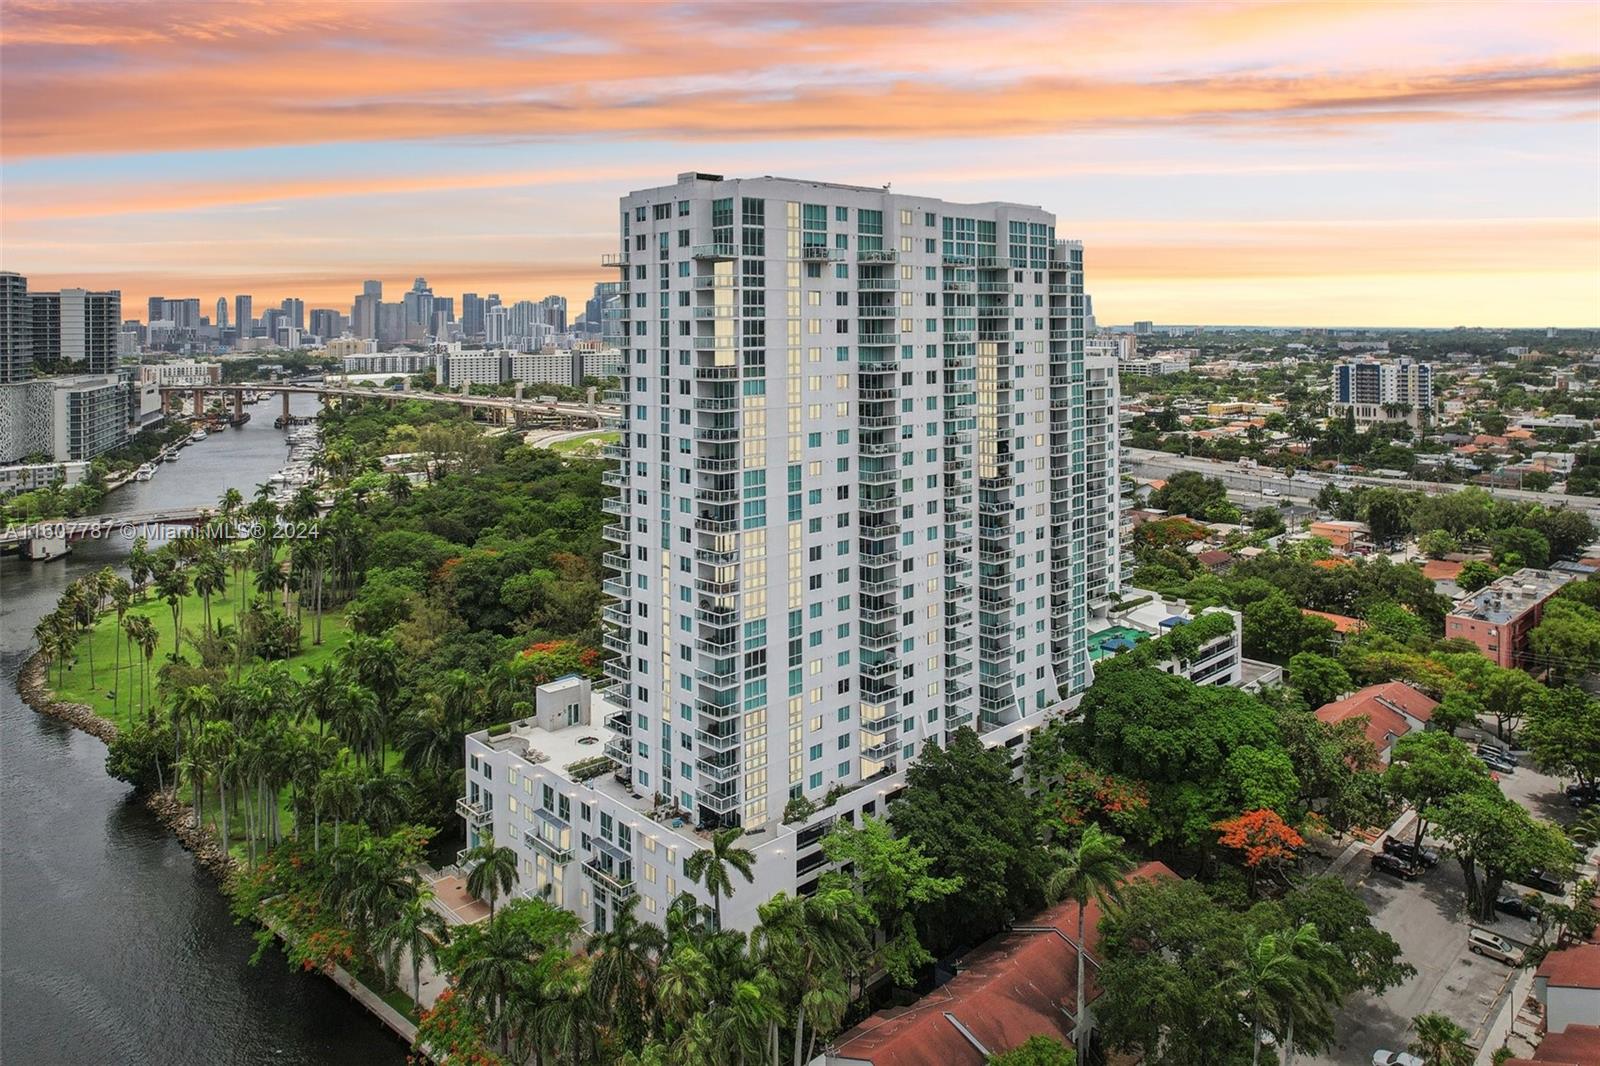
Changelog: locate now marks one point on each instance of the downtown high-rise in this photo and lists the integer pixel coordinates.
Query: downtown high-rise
(853, 510)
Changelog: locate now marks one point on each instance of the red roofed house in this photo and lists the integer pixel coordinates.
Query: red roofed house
(1392, 710)
(1017, 984)
(1567, 982)
(1442, 569)
(1578, 1046)
(1342, 623)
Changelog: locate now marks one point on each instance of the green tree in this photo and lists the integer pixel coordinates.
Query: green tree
(1526, 544)
(1492, 837)
(1440, 1041)
(1567, 639)
(1273, 628)
(1563, 733)
(1475, 574)
(1286, 975)
(1385, 516)
(622, 979)
(710, 866)
(892, 875)
(494, 871)
(1437, 543)
(417, 931)
(1319, 678)
(1427, 768)
(962, 810)
(1037, 1050)
(1093, 867)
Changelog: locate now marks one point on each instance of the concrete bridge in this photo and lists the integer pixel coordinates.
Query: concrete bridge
(506, 410)
(53, 538)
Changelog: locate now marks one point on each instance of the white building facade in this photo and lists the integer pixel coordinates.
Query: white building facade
(853, 495)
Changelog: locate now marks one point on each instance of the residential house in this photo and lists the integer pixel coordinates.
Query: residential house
(1391, 710)
(1567, 982)
(1018, 984)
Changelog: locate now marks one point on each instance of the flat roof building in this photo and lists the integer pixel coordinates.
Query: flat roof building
(1498, 617)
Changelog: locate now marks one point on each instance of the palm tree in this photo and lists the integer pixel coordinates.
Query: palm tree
(498, 967)
(811, 944)
(399, 487)
(1285, 976)
(417, 930)
(80, 600)
(210, 577)
(339, 793)
(494, 872)
(121, 596)
(624, 968)
(1440, 1041)
(230, 503)
(1094, 867)
(709, 866)
(172, 584)
(144, 633)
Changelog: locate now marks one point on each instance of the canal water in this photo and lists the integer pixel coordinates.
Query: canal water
(114, 946)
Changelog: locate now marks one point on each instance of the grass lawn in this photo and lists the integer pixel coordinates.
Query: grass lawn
(589, 442)
(108, 643)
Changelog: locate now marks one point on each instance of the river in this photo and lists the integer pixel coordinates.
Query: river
(114, 946)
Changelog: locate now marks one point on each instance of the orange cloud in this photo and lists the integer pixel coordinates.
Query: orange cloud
(104, 79)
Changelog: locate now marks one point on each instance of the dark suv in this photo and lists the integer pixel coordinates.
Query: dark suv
(1411, 853)
(1396, 866)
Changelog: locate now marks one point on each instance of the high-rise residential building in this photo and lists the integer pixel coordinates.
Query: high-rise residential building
(853, 515)
(418, 305)
(45, 310)
(244, 315)
(393, 326)
(326, 323)
(1372, 391)
(372, 288)
(155, 309)
(89, 324)
(496, 325)
(294, 312)
(16, 329)
(471, 314)
(1143, 328)
(554, 311)
(222, 312)
(272, 320)
(364, 315)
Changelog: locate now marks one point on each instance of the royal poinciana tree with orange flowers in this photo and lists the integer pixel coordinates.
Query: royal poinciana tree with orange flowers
(1265, 842)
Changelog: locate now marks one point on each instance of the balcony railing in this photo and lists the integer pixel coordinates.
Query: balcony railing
(554, 852)
(609, 881)
(474, 813)
(714, 251)
(614, 259)
(821, 253)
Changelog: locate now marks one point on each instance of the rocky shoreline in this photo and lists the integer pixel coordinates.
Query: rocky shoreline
(33, 685)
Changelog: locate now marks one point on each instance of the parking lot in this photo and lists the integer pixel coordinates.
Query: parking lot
(1427, 917)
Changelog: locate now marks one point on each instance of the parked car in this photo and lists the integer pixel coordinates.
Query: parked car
(1482, 942)
(1518, 906)
(1537, 878)
(1396, 1058)
(1396, 866)
(1500, 763)
(1409, 852)
(1583, 795)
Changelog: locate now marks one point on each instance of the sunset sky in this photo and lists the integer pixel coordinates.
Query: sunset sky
(1318, 164)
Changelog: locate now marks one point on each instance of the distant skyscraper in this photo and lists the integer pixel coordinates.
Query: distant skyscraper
(295, 312)
(496, 326)
(364, 314)
(554, 309)
(16, 329)
(326, 323)
(156, 309)
(222, 312)
(419, 305)
(1143, 329)
(372, 288)
(244, 315)
(46, 313)
(471, 314)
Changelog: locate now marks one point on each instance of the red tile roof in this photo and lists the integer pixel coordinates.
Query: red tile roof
(1342, 623)
(1018, 984)
(1441, 569)
(1575, 967)
(1214, 557)
(1578, 1045)
(1381, 706)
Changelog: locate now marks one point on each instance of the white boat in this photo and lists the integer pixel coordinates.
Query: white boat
(144, 473)
(198, 435)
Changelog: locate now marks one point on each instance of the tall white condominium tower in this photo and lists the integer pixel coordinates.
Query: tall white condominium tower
(857, 506)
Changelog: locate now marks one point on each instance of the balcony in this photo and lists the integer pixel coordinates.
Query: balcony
(619, 750)
(609, 881)
(716, 740)
(877, 312)
(475, 813)
(720, 772)
(615, 505)
(877, 255)
(715, 344)
(878, 285)
(716, 281)
(615, 450)
(714, 251)
(614, 642)
(716, 800)
(614, 259)
(878, 340)
(618, 614)
(716, 312)
(554, 852)
(617, 534)
(821, 253)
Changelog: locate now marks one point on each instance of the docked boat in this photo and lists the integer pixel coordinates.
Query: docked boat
(145, 472)
(198, 435)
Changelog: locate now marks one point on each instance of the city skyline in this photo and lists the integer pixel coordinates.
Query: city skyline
(1441, 170)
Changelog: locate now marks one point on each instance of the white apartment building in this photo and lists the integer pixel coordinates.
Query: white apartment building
(1371, 391)
(181, 374)
(865, 489)
(472, 368)
(395, 362)
(546, 368)
(588, 840)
